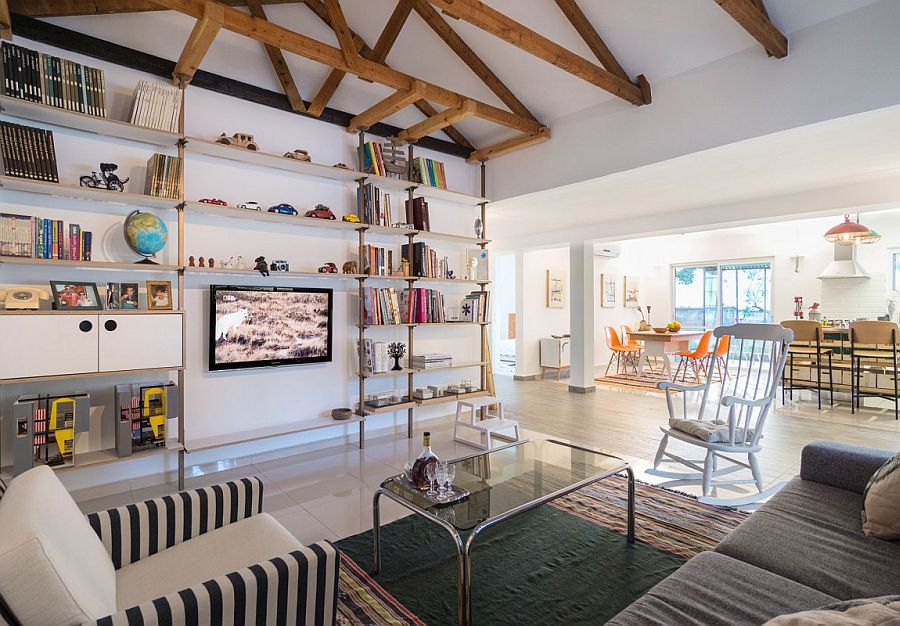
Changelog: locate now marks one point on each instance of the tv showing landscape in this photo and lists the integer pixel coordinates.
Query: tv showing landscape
(268, 326)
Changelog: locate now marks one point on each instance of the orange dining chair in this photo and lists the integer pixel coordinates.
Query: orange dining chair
(694, 358)
(716, 357)
(634, 343)
(621, 354)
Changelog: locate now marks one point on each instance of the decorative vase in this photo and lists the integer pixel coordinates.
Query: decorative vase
(396, 367)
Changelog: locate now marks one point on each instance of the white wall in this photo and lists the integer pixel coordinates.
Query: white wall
(503, 292)
(537, 319)
(219, 403)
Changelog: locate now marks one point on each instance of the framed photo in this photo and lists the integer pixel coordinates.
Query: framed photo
(75, 295)
(112, 296)
(632, 292)
(608, 291)
(159, 295)
(556, 289)
(128, 296)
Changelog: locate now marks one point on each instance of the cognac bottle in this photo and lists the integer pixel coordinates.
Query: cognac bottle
(426, 457)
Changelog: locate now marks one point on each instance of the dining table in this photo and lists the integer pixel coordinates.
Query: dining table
(663, 345)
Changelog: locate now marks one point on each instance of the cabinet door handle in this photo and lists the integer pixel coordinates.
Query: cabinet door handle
(110, 325)
(85, 326)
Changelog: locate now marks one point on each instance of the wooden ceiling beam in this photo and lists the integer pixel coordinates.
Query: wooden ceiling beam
(5, 20)
(469, 57)
(747, 13)
(276, 57)
(290, 41)
(492, 21)
(509, 145)
(204, 32)
(437, 122)
(390, 105)
(391, 31)
(65, 8)
(343, 33)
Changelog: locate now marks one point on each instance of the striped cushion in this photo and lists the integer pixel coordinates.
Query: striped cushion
(297, 588)
(134, 531)
(881, 512)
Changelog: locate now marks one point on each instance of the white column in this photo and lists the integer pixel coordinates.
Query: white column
(521, 367)
(582, 300)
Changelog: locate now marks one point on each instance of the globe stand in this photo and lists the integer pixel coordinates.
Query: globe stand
(146, 261)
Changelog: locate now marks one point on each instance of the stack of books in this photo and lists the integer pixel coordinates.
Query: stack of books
(429, 172)
(40, 238)
(28, 152)
(376, 261)
(422, 306)
(431, 360)
(424, 261)
(382, 307)
(372, 159)
(376, 356)
(164, 176)
(417, 214)
(38, 77)
(375, 205)
(474, 307)
(156, 106)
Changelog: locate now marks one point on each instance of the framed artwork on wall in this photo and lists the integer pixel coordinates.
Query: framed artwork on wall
(632, 292)
(608, 291)
(556, 289)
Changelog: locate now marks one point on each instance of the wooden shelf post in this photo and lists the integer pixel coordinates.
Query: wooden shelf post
(411, 331)
(181, 264)
(361, 335)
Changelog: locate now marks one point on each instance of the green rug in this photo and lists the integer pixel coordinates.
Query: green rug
(566, 563)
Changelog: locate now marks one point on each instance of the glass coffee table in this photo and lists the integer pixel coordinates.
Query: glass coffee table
(502, 483)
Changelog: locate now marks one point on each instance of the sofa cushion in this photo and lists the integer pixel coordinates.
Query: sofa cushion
(881, 515)
(216, 553)
(812, 533)
(883, 611)
(714, 590)
(53, 567)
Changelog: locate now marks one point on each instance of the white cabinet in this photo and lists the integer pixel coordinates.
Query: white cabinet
(555, 354)
(50, 344)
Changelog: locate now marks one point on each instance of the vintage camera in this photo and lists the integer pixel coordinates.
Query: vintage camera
(279, 265)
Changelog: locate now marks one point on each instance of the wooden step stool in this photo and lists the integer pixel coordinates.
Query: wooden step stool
(485, 427)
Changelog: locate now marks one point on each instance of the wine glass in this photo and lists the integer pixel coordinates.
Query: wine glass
(441, 476)
(431, 475)
(449, 475)
(407, 470)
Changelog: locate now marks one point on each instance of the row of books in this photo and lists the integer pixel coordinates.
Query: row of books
(382, 306)
(41, 238)
(474, 307)
(164, 176)
(376, 356)
(431, 360)
(28, 152)
(376, 261)
(375, 205)
(39, 77)
(373, 159)
(417, 214)
(156, 106)
(424, 261)
(429, 172)
(421, 306)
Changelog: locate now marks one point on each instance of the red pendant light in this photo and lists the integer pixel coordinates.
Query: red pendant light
(850, 233)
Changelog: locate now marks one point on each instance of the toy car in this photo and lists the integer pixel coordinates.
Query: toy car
(351, 217)
(343, 166)
(328, 268)
(284, 209)
(253, 206)
(239, 140)
(213, 201)
(300, 155)
(322, 212)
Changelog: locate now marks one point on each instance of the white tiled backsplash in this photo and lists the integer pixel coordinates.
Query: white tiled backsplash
(855, 298)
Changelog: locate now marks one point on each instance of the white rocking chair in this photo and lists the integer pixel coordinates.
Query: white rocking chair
(759, 352)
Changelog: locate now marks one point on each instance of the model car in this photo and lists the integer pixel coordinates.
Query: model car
(300, 155)
(351, 217)
(284, 209)
(322, 212)
(239, 140)
(328, 268)
(253, 206)
(213, 201)
(343, 166)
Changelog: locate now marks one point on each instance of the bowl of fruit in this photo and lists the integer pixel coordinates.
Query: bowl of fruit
(674, 326)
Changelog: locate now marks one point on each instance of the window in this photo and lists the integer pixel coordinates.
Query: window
(714, 294)
(895, 273)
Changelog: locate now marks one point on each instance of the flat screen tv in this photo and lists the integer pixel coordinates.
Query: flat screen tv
(268, 326)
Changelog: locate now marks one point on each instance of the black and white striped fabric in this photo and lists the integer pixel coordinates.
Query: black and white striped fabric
(135, 531)
(299, 588)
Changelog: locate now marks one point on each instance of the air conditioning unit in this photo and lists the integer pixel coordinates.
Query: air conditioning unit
(606, 252)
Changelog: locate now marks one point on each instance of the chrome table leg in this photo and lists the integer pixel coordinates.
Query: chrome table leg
(376, 531)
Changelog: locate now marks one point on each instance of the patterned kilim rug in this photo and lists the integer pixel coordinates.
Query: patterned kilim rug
(563, 563)
(647, 382)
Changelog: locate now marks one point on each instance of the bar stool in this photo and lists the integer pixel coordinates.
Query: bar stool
(486, 427)
(873, 347)
(807, 344)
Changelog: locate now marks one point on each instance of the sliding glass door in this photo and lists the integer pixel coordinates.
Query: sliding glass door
(712, 294)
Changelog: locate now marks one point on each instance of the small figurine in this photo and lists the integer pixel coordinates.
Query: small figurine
(106, 179)
(261, 266)
(239, 140)
(349, 267)
(202, 262)
(191, 262)
(229, 264)
(396, 350)
(405, 263)
(328, 268)
(211, 262)
(450, 275)
(300, 155)
(240, 264)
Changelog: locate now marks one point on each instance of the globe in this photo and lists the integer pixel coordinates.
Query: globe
(146, 234)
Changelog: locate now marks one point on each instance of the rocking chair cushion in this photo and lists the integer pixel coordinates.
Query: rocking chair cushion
(710, 431)
(881, 515)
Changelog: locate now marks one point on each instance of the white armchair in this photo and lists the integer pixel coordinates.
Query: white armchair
(202, 557)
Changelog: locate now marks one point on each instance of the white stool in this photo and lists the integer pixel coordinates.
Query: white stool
(487, 426)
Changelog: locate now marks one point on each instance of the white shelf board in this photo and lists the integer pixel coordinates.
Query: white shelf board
(40, 379)
(245, 436)
(11, 183)
(455, 366)
(398, 184)
(90, 265)
(264, 216)
(37, 112)
(224, 271)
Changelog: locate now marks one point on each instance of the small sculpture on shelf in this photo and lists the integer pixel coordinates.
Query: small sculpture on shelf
(279, 265)
(396, 350)
(211, 262)
(321, 211)
(349, 267)
(261, 266)
(300, 155)
(239, 140)
(106, 180)
(191, 261)
(201, 262)
(405, 264)
(328, 268)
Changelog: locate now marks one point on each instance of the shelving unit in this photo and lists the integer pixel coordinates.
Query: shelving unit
(185, 146)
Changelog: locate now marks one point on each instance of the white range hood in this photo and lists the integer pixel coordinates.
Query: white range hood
(844, 265)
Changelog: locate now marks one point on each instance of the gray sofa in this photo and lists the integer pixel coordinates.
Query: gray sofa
(802, 549)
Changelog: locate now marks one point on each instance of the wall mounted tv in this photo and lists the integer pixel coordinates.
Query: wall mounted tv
(268, 326)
